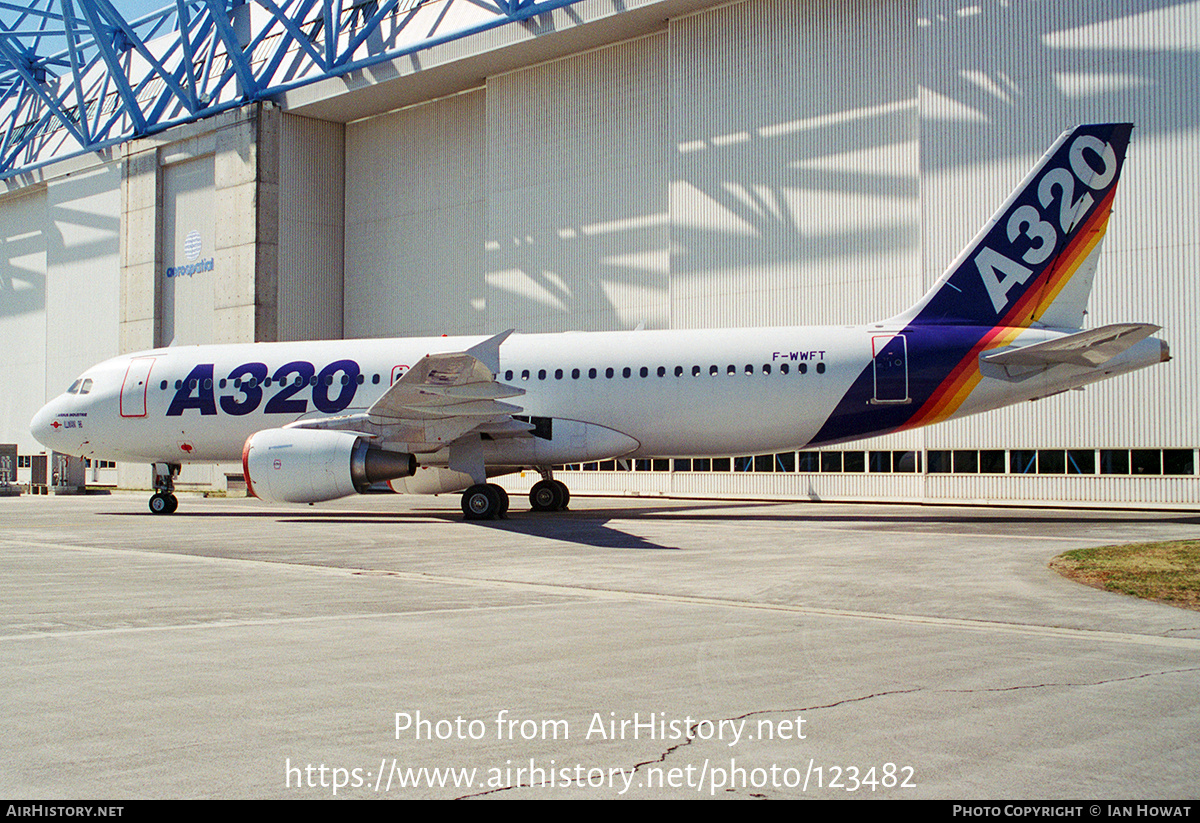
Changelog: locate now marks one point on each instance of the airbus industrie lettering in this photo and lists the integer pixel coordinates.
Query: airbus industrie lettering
(1002, 325)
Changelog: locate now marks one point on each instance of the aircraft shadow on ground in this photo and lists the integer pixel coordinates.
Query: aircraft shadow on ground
(592, 526)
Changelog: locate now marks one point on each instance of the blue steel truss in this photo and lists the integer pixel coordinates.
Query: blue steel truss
(76, 77)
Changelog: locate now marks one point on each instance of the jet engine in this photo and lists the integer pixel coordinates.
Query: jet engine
(311, 465)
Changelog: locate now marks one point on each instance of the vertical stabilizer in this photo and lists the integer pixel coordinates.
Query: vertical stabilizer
(1034, 261)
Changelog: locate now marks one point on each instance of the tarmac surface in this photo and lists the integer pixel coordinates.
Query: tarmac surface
(380, 647)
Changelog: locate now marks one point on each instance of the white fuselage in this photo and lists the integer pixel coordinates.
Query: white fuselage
(670, 393)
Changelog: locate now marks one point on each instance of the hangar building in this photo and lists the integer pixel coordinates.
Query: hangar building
(242, 170)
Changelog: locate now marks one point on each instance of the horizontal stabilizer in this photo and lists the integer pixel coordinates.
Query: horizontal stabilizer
(1091, 348)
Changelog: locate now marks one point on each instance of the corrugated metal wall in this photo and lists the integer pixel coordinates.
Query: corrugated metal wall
(577, 192)
(83, 294)
(59, 289)
(415, 219)
(794, 168)
(792, 161)
(999, 82)
(23, 315)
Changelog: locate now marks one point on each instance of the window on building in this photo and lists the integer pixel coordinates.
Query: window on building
(1178, 461)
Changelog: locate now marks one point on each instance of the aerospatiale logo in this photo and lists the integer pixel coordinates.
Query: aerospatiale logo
(193, 245)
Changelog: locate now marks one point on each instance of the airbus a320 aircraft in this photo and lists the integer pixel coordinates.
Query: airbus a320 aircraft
(322, 420)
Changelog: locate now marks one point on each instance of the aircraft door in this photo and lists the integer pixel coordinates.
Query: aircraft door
(133, 390)
(891, 369)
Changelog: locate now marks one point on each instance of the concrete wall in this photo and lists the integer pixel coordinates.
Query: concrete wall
(200, 245)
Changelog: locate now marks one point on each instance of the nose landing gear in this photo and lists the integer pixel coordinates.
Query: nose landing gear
(164, 500)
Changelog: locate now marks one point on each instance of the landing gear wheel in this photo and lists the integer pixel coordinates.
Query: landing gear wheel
(163, 503)
(548, 496)
(566, 495)
(482, 501)
(503, 513)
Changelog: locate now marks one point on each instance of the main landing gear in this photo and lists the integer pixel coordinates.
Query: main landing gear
(164, 500)
(485, 501)
(549, 495)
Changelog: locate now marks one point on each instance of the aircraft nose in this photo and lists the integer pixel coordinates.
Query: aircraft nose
(45, 425)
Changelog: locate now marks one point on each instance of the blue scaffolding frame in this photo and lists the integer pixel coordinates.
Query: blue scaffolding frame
(76, 77)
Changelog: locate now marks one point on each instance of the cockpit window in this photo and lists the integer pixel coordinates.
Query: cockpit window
(75, 386)
(86, 387)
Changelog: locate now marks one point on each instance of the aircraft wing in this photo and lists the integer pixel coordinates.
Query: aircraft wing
(1092, 348)
(439, 399)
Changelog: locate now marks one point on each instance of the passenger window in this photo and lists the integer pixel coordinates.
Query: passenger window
(784, 369)
(574, 374)
(712, 370)
(591, 374)
(731, 369)
(558, 374)
(695, 371)
(508, 375)
(662, 371)
(524, 374)
(625, 372)
(541, 374)
(679, 371)
(766, 368)
(820, 368)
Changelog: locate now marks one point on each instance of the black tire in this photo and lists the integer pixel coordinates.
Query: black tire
(503, 495)
(481, 502)
(545, 496)
(174, 503)
(160, 503)
(566, 495)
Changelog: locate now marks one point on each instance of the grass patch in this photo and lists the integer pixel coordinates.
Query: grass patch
(1167, 572)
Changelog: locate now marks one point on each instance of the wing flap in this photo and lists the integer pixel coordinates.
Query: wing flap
(449, 384)
(442, 398)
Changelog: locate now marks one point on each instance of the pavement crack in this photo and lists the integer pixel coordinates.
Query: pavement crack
(1103, 682)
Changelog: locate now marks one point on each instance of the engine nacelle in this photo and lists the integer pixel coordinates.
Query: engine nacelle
(311, 465)
(432, 480)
